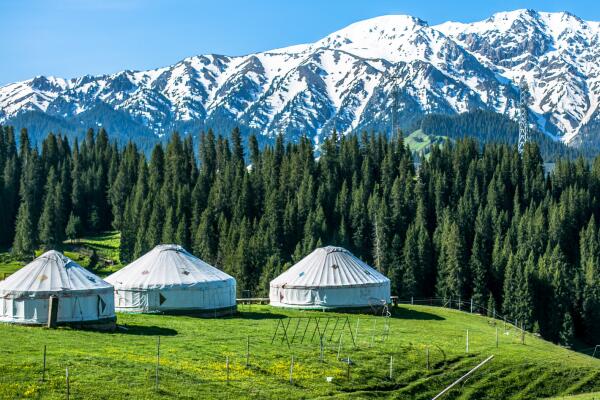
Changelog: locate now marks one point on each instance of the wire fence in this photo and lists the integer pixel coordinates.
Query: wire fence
(467, 306)
(242, 363)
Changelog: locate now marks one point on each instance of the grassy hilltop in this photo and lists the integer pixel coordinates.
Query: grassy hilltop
(194, 352)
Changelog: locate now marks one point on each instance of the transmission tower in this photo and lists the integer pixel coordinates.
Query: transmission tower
(523, 111)
(394, 126)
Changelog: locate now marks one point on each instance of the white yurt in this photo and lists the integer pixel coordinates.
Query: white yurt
(83, 298)
(169, 279)
(330, 277)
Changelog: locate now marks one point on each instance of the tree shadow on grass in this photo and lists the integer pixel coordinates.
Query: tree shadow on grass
(82, 246)
(142, 330)
(257, 315)
(404, 313)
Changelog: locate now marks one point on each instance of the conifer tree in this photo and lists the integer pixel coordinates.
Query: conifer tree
(49, 237)
(127, 239)
(481, 257)
(24, 244)
(73, 229)
(567, 332)
(406, 281)
(590, 264)
(452, 273)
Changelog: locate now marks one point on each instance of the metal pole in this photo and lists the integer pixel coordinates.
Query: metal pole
(305, 329)
(348, 372)
(373, 332)
(157, 363)
(471, 305)
(462, 378)
(292, 371)
(334, 328)
(276, 329)
(340, 345)
(68, 386)
(44, 367)
(321, 343)
(391, 366)
(496, 337)
(296, 330)
(285, 335)
(248, 352)
(227, 366)
(467, 340)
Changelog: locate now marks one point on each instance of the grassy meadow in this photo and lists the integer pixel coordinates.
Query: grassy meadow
(194, 353)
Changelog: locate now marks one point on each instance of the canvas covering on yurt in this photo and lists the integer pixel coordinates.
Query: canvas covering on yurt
(170, 279)
(82, 296)
(329, 277)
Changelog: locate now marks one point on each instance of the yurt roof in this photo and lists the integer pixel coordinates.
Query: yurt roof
(166, 265)
(51, 273)
(329, 267)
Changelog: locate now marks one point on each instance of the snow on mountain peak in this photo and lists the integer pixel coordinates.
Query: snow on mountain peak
(345, 80)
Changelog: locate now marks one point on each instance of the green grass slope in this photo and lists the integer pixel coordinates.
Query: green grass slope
(585, 396)
(106, 246)
(194, 353)
(420, 142)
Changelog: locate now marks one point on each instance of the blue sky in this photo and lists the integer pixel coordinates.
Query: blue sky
(69, 38)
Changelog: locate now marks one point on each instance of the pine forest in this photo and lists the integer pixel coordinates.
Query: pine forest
(468, 221)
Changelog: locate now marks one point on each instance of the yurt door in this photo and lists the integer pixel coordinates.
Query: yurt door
(102, 307)
(151, 299)
(6, 307)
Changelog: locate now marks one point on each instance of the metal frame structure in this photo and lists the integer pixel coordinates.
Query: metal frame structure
(523, 111)
(318, 328)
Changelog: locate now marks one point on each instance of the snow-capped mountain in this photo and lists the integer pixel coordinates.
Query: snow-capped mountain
(348, 80)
